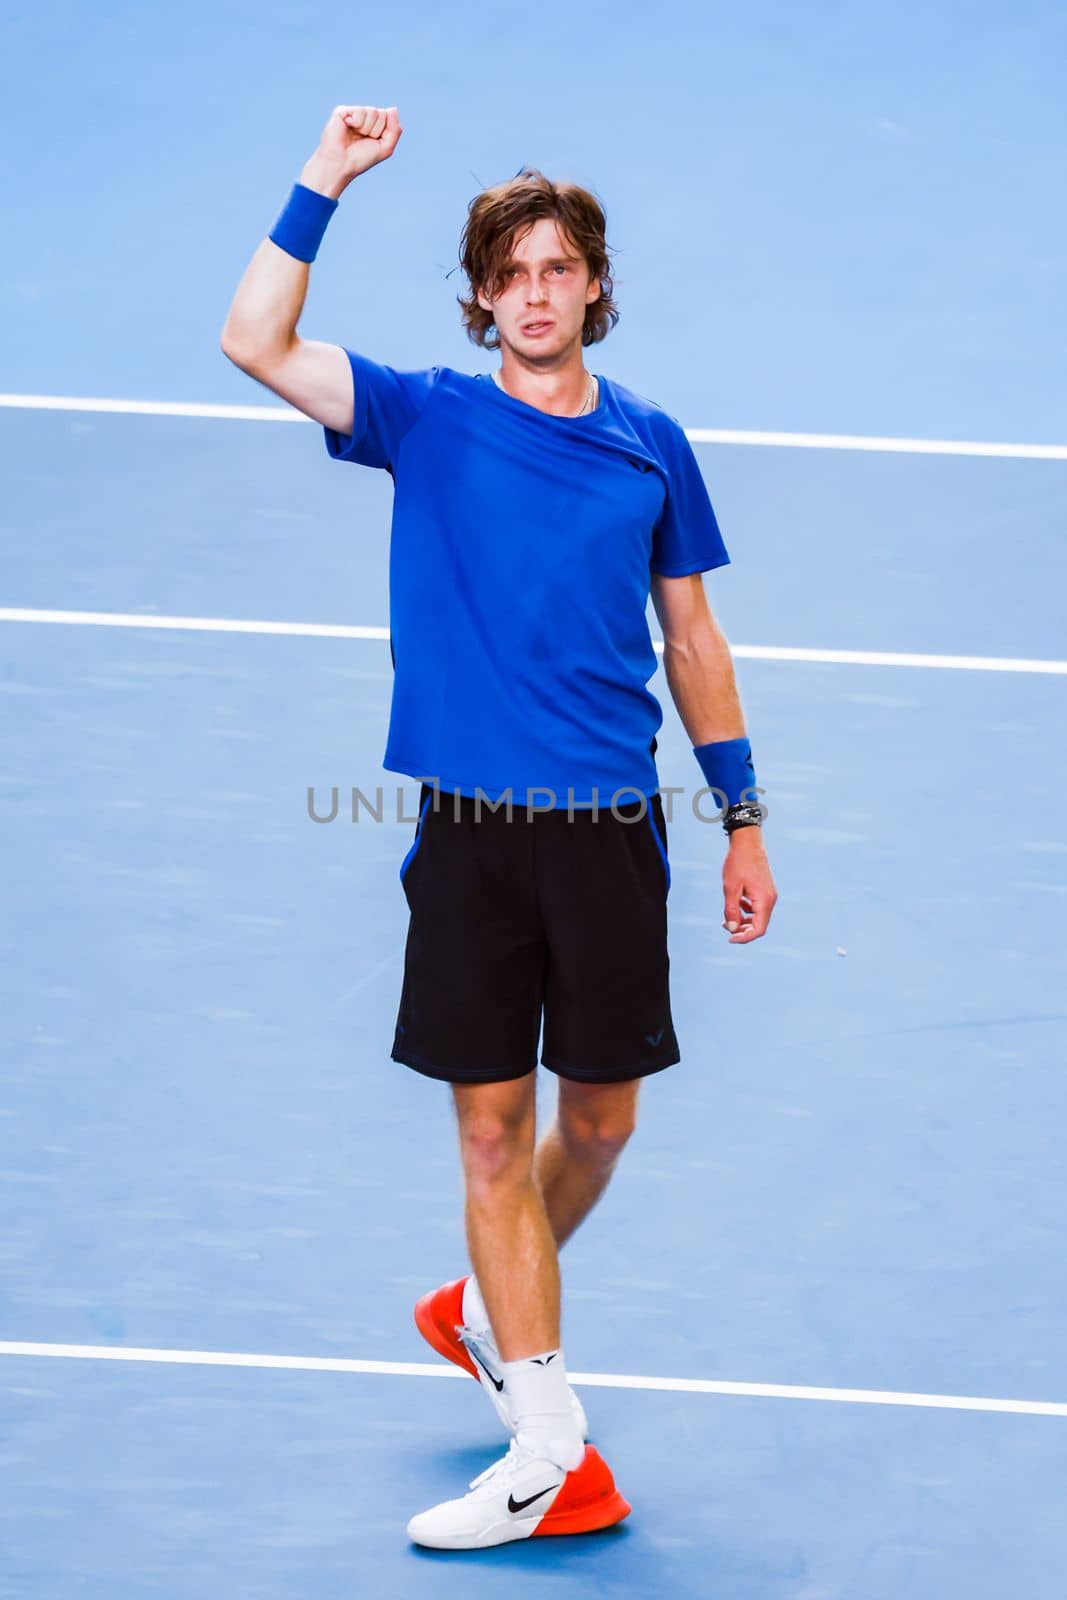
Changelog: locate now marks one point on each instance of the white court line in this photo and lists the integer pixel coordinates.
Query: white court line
(600, 1380)
(329, 630)
(138, 619)
(796, 441)
(855, 441)
(151, 408)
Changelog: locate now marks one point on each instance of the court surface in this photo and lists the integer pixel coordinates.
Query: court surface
(817, 1321)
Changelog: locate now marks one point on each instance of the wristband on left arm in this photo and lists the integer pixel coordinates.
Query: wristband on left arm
(728, 770)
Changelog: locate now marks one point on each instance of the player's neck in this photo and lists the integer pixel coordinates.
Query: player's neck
(561, 390)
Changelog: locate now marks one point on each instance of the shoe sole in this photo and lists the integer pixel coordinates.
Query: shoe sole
(594, 1520)
(437, 1315)
(441, 1335)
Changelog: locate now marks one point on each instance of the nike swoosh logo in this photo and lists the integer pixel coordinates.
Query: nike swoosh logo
(520, 1505)
(654, 1038)
(498, 1383)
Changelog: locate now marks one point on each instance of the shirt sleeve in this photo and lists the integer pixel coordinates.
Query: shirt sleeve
(385, 406)
(686, 538)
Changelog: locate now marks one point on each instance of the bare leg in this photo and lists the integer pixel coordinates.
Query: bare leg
(576, 1157)
(511, 1245)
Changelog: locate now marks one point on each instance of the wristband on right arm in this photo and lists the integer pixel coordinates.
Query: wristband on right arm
(302, 223)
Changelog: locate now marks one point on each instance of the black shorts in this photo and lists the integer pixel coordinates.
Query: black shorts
(542, 909)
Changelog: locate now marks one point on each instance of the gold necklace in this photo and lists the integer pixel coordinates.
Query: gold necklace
(587, 406)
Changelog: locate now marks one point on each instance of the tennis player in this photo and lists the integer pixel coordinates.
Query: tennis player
(535, 510)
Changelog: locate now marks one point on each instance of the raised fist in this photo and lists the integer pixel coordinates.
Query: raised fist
(358, 137)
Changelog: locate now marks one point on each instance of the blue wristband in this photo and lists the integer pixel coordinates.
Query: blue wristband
(302, 223)
(727, 768)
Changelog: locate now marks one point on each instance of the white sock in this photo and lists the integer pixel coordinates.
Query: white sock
(474, 1313)
(544, 1418)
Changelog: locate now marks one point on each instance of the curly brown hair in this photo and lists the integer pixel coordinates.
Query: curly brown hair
(495, 220)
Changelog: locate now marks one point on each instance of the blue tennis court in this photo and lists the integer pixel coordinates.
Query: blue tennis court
(817, 1319)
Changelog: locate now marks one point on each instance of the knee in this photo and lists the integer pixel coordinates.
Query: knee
(496, 1149)
(597, 1136)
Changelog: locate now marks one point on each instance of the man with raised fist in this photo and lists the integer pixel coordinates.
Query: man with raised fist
(535, 510)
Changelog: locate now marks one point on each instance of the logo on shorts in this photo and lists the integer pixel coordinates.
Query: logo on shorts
(654, 1038)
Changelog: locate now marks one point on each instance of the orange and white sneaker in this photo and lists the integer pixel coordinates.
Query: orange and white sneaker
(439, 1318)
(524, 1496)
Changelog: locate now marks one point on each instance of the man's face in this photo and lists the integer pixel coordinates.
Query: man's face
(540, 310)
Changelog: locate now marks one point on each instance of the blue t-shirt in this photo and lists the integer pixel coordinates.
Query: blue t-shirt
(519, 573)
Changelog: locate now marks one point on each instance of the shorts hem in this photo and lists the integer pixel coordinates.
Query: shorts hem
(430, 1069)
(610, 1075)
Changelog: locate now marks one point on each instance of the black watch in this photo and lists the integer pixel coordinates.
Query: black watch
(742, 815)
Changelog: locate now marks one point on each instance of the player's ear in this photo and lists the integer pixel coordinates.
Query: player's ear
(593, 292)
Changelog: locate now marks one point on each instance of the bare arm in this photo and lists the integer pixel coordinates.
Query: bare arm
(700, 675)
(259, 334)
(697, 661)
